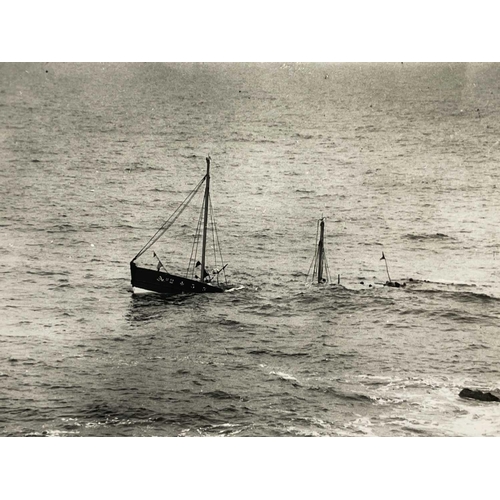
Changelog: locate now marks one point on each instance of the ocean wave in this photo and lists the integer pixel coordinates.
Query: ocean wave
(107, 415)
(342, 395)
(460, 316)
(286, 377)
(278, 353)
(460, 296)
(224, 429)
(219, 394)
(424, 237)
(230, 322)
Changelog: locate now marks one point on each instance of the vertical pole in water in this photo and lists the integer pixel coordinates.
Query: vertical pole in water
(321, 250)
(386, 266)
(205, 221)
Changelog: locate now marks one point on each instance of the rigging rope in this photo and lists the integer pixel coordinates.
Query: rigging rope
(316, 259)
(315, 256)
(196, 240)
(327, 267)
(216, 236)
(328, 275)
(168, 223)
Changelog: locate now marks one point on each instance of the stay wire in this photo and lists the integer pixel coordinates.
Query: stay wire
(216, 233)
(168, 223)
(315, 256)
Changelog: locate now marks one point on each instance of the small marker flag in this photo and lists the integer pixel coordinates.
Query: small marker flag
(383, 256)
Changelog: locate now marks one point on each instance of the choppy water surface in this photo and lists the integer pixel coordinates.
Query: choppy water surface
(398, 158)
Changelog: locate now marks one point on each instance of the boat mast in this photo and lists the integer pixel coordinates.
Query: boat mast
(205, 221)
(321, 250)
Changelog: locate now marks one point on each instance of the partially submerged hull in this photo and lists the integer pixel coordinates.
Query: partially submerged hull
(165, 283)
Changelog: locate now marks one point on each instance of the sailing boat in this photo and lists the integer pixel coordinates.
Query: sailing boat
(196, 279)
(319, 265)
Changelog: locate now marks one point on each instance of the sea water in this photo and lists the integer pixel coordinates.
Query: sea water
(398, 158)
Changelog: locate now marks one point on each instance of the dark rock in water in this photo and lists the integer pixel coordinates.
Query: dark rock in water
(395, 284)
(476, 394)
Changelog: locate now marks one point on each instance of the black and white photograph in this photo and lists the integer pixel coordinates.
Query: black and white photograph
(198, 247)
(266, 249)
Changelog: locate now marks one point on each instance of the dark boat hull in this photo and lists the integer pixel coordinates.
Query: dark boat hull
(162, 282)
